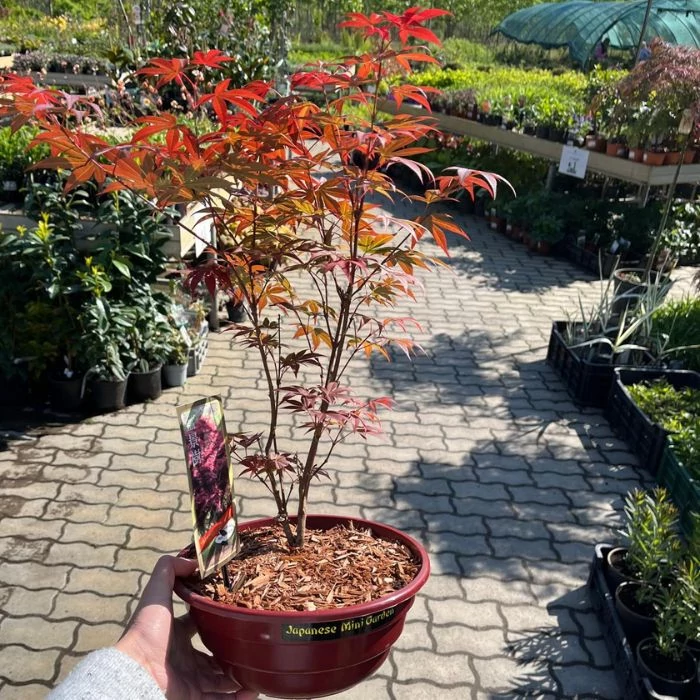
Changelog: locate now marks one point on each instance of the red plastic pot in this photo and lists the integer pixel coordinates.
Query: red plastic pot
(654, 157)
(306, 654)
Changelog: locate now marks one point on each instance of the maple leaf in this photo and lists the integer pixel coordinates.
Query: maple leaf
(167, 70)
(222, 97)
(214, 58)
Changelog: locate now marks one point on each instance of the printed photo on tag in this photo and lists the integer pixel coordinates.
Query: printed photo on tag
(210, 475)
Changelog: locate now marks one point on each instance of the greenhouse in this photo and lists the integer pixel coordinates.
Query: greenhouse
(581, 25)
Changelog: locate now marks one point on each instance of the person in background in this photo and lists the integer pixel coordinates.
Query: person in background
(600, 52)
(154, 659)
(644, 53)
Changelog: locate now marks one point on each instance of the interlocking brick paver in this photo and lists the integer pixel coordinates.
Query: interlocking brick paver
(455, 639)
(485, 459)
(37, 632)
(25, 691)
(81, 553)
(90, 607)
(448, 670)
(91, 637)
(159, 539)
(76, 511)
(21, 665)
(102, 580)
(22, 601)
(136, 560)
(144, 516)
(33, 575)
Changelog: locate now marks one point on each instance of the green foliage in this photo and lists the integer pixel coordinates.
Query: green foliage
(240, 29)
(459, 53)
(677, 325)
(310, 53)
(651, 537)
(105, 327)
(59, 308)
(15, 157)
(547, 228)
(81, 30)
(683, 235)
(177, 350)
(533, 96)
(677, 411)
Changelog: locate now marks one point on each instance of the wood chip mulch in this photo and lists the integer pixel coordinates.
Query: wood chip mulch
(335, 568)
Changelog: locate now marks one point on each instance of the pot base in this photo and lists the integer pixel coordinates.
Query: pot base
(306, 654)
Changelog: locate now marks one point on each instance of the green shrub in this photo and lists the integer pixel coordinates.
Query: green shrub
(552, 99)
(676, 325)
(678, 411)
(461, 52)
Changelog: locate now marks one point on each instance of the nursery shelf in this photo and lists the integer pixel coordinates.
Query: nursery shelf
(88, 235)
(609, 166)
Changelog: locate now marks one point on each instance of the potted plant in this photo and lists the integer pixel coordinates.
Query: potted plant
(545, 231)
(282, 179)
(586, 351)
(147, 349)
(671, 598)
(665, 657)
(176, 359)
(104, 325)
(644, 566)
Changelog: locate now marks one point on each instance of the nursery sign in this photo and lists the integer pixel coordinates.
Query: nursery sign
(323, 631)
(573, 161)
(210, 475)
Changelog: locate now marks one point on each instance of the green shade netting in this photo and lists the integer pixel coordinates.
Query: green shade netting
(581, 24)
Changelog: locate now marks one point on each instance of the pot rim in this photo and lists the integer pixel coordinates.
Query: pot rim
(358, 610)
(692, 670)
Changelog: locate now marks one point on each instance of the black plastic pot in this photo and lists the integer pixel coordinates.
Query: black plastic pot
(235, 311)
(542, 132)
(558, 135)
(634, 685)
(108, 395)
(614, 572)
(66, 394)
(638, 624)
(145, 386)
(628, 292)
(174, 375)
(676, 679)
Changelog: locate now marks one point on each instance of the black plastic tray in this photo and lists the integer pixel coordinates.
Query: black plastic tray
(644, 437)
(589, 383)
(633, 685)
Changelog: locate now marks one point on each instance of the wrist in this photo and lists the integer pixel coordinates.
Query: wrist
(131, 647)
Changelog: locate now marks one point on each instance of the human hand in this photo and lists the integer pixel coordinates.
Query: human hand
(162, 645)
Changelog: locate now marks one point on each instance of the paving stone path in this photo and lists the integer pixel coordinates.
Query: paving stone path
(485, 459)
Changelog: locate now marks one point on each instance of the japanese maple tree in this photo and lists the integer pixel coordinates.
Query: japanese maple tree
(293, 191)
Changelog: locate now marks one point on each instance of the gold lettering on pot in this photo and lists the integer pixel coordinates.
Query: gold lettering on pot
(324, 631)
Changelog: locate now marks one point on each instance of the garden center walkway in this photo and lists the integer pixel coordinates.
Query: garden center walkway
(485, 459)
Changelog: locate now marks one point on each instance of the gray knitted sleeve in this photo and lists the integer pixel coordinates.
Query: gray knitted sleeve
(107, 674)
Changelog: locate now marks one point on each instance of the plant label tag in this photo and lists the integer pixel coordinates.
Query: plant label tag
(210, 475)
(573, 161)
(185, 336)
(686, 125)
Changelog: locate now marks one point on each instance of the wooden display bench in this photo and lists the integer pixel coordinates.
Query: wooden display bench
(72, 80)
(608, 166)
(87, 237)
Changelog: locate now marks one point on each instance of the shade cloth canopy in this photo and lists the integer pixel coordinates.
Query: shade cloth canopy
(581, 24)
